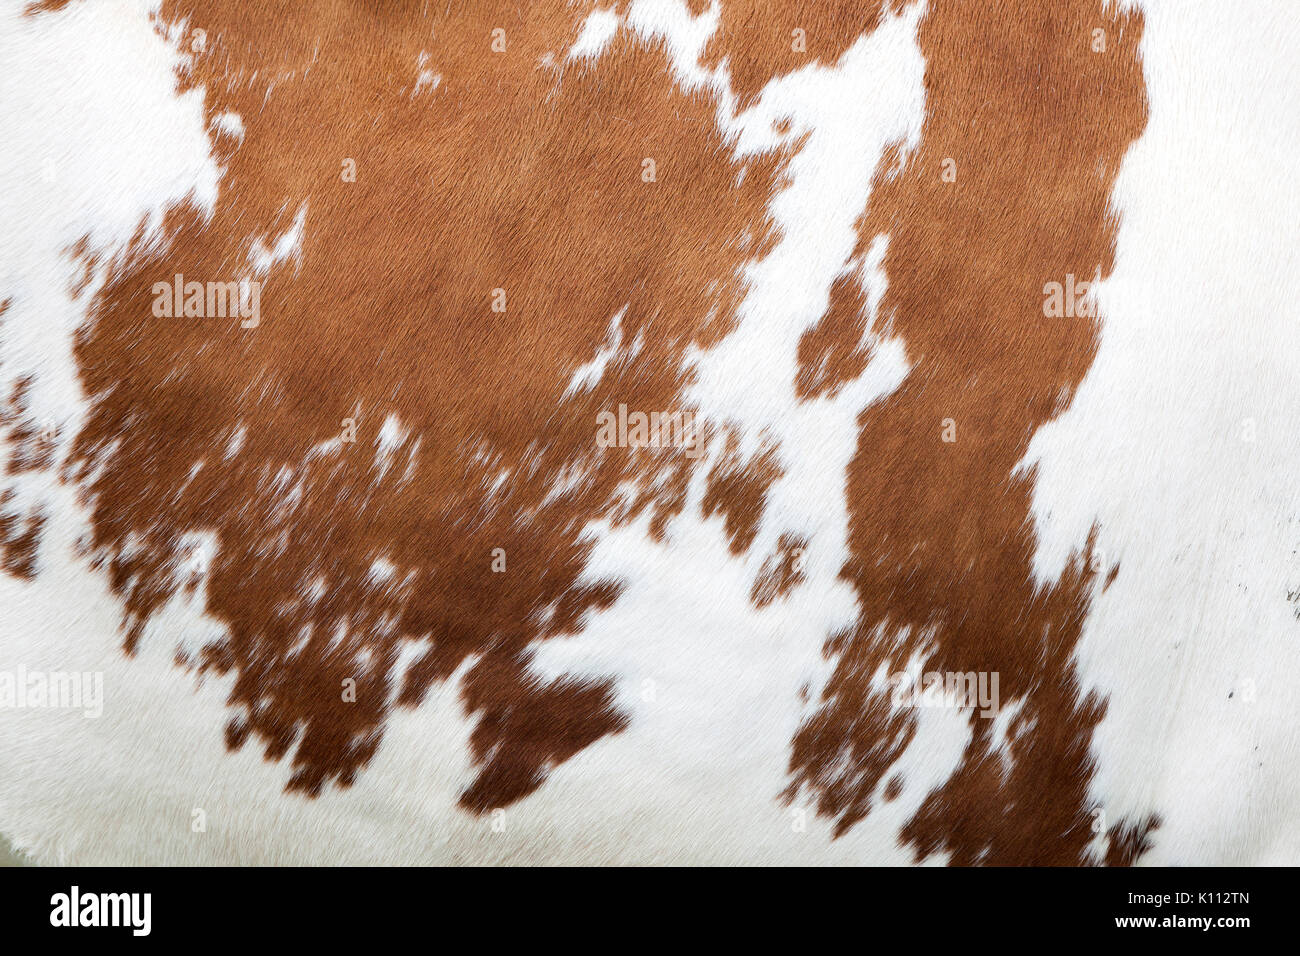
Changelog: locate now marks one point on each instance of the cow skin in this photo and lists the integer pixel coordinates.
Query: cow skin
(650, 431)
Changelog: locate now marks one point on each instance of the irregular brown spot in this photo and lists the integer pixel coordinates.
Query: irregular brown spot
(737, 490)
(893, 788)
(833, 352)
(30, 447)
(513, 172)
(20, 537)
(839, 347)
(44, 6)
(758, 39)
(941, 537)
(781, 573)
(1130, 840)
(522, 735)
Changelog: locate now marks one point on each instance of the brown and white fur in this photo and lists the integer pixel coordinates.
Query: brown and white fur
(977, 325)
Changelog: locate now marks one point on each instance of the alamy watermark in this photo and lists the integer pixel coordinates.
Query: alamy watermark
(649, 430)
(209, 300)
(74, 908)
(948, 690)
(62, 690)
(1072, 298)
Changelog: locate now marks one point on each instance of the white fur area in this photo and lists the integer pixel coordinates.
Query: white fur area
(1195, 643)
(597, 30)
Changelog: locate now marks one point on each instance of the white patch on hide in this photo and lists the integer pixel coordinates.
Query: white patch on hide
(597, 30)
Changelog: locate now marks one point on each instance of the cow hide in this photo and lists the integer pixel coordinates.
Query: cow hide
(650, 431)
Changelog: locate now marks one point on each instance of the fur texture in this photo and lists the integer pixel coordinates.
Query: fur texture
(975, 326)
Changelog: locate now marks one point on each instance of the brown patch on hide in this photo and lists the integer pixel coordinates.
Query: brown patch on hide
(508, 174)
(20, 537)
(781, 573)
(839, 347)
(737, 490)
(832, 353)
(893, 789)
(521, 735)
(757, 38)
(1128, 841)
(44, 6)
(941, 537)
(29, 449)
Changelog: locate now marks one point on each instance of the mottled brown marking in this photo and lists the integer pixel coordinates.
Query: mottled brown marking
(20, 537)
(31, 447)
(1128, 841)
(510, 174)
(44, 6)
(781, 572)
(737, 490)
(940, 534)
(893, 789)
(833, 352)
